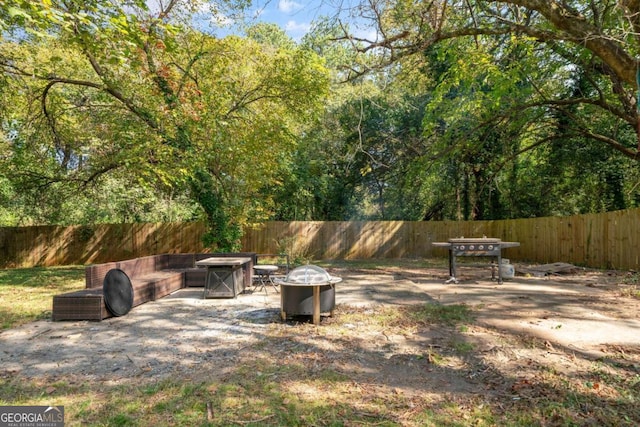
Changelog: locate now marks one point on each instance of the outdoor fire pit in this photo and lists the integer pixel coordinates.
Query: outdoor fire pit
(478, 247)
(307, 290)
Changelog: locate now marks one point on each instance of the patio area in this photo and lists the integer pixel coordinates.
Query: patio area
(184, 332)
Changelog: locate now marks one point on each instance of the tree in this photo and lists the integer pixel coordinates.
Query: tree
(118, 88)
(515, 112)
(600, 39)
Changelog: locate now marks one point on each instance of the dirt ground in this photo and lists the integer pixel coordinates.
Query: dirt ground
(562, 322)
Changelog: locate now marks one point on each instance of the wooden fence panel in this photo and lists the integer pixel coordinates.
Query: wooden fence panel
(609, 240)
(622, 240)
(596, 238)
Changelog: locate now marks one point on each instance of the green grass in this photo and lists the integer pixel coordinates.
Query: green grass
(629, 285)
(630, 291)
(282, 396)
(26, 294)
(443, 314)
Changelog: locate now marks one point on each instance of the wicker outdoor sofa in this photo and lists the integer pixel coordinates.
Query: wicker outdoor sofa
(152, 277)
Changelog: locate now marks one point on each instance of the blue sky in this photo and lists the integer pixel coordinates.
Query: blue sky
(294, 16)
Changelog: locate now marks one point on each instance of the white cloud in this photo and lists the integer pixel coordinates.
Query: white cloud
(297, 27)
(211, 11)
(288, 6)
(221, 20)
(202, 7)
(367, 34)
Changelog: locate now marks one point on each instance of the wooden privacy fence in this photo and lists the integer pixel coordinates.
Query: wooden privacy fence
(609, 240)
(57, 245)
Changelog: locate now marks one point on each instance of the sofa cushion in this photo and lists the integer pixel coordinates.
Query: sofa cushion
(175, 261)
(138, 266)
(94, 274)
(86, 304)
(156, 285)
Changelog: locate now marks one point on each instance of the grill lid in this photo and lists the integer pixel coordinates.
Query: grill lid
(474, 240)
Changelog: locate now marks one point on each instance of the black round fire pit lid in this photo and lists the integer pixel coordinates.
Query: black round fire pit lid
(118, 292)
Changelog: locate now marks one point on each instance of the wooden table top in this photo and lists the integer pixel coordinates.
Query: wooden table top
(222, 261)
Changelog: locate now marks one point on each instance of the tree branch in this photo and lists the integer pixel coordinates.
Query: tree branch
(576, 28)
(51, 121)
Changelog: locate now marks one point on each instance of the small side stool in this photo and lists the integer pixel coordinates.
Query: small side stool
(263, 276)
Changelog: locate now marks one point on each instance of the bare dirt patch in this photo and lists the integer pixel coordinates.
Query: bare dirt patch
(527, 340)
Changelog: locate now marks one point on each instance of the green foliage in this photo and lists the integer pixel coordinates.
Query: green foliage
(511, 126)
(270, 35)
(223, 234)
(123, 104)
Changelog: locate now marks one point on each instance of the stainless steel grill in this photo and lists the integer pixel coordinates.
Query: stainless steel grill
(478, 247)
